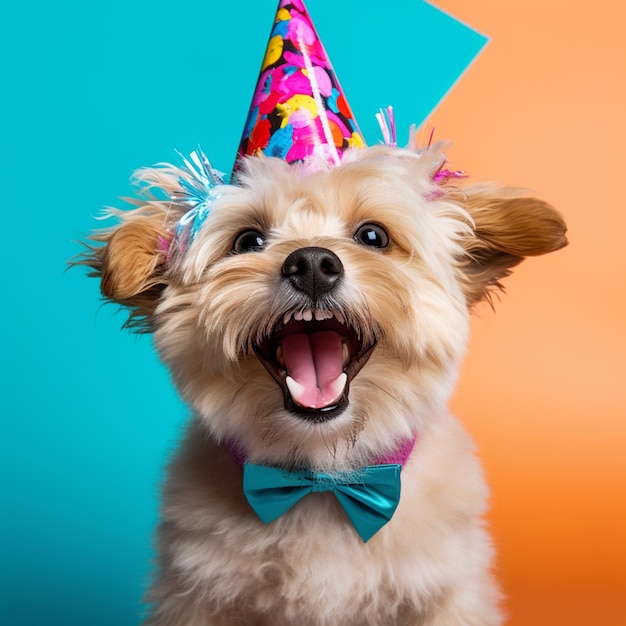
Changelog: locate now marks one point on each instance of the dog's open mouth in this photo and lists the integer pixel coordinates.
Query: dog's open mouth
(314, 355)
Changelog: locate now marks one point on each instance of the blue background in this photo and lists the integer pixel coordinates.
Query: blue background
(89, 92)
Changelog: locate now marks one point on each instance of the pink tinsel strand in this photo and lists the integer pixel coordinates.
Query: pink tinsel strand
(430, 139)
(443, 175)
(387, 124)
(164, 245)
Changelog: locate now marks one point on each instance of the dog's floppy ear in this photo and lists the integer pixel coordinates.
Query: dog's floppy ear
(508, 226)
(131, 261)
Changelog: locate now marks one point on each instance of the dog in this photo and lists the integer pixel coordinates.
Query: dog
(315, 324)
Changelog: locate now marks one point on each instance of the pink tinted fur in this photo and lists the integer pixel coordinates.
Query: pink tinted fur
(399, 456)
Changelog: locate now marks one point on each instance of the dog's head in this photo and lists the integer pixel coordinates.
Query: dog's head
(320, 317)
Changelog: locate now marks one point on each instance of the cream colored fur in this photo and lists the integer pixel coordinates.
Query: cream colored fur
(218, 564)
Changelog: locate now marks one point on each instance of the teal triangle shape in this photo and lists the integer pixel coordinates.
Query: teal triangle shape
(409, 56)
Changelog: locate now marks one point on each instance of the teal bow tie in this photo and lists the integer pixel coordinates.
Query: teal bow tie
(369, 497)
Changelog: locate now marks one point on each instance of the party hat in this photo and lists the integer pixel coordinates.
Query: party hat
(298, 111)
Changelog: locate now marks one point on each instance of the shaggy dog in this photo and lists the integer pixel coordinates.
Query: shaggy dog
(316, 323)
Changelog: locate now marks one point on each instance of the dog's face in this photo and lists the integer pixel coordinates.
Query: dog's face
(319, 318)
(317, 310)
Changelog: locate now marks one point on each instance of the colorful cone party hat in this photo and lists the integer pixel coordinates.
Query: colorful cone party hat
(298, 111)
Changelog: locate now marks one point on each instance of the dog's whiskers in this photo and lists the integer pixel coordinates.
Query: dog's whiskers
(331, 448)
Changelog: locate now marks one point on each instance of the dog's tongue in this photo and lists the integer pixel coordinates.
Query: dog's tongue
(314, 368)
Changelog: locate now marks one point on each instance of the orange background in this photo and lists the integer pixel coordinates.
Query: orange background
(542, 389)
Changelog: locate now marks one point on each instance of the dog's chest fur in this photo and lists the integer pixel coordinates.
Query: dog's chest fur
(310, 567)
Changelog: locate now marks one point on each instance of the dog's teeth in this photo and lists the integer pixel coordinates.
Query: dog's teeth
(295, 389)
(345, 353)
(331, 394)
(340, 318)
(280, 357)
(319, 315)
(287, 318)
(307, 315)
(339, 384)
(297, 316)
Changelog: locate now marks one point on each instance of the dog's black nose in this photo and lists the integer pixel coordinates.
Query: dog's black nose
(312, 270)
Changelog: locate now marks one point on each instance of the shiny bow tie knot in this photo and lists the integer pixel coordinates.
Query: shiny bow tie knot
(369, 497)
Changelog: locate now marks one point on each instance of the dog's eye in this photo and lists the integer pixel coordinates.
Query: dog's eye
(249, 241)
(372, 235)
